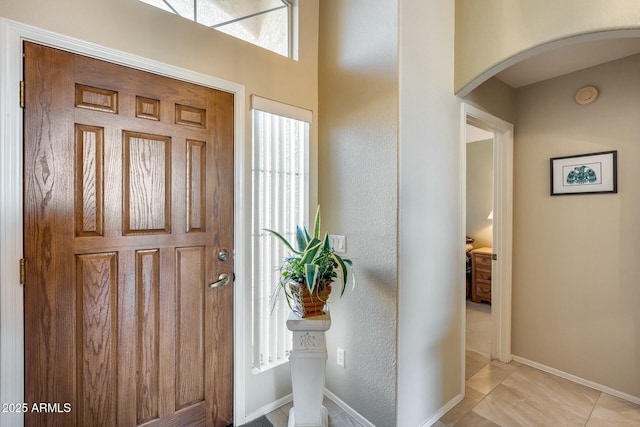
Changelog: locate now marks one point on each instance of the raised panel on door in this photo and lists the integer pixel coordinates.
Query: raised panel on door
(196, 186)
(190, 308)
(147, 292)
(128, 194)
(96, 318)
(147, 183)
(89, 167)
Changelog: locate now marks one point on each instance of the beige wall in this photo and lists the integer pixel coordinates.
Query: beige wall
(430, 264)
(358, 85)
(489, 32)
(494, 97)
(137, 28)
(479, 192)
(575, 274)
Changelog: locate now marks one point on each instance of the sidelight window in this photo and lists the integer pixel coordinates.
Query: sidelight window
(280, 170)
(265, 23)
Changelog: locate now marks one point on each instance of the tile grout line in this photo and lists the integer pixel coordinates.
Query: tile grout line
(491, 391)
(593, 409)
(473, 407)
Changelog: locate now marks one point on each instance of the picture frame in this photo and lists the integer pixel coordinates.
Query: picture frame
(584, 174)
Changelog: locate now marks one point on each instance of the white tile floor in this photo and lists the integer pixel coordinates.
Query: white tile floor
(514, 395)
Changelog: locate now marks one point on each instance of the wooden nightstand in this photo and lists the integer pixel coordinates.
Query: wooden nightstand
(481, 275)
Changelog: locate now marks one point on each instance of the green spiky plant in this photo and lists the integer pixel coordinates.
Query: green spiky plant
(312, 261)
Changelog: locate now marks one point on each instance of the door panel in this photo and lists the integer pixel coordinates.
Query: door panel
(147, 183)
(147, 282)
(189, 329)
(128, 196)
(96, 316)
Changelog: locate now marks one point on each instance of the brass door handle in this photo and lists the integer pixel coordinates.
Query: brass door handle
(223, 280)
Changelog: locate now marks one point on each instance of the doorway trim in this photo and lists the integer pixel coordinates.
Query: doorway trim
(502, 226)
(12, 34)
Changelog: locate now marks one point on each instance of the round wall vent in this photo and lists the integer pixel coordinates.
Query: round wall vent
(586, 95)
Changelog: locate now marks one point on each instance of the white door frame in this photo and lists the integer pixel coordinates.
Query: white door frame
(12, 34)
(502, 225)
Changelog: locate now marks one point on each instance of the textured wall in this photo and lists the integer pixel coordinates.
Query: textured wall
(489, 32)
(358, 85)
(431, 272)
(575, 275)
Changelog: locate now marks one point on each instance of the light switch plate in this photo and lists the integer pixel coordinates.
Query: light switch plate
(340, 357)
(338, 243)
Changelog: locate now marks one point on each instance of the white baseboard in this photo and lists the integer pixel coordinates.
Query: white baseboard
(266, 409)
(570, 377)
(446, 408)
(348, 409)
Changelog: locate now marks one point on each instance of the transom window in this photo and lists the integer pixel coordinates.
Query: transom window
(265, 23)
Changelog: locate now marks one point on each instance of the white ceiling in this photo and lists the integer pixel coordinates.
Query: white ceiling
(568, 59)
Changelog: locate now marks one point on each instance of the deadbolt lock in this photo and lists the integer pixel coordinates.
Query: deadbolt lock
(223, 255)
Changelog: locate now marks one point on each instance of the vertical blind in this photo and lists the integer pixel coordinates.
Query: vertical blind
(280, 202)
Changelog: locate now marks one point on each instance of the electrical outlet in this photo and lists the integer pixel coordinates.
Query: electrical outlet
(340, 359)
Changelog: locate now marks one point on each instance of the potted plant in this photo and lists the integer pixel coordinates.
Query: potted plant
(310, 269)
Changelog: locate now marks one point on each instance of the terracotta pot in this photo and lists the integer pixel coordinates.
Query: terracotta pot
(305, 304)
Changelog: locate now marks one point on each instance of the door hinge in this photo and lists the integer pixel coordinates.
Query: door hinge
(22, 94)
(22, 271)
(494, 257)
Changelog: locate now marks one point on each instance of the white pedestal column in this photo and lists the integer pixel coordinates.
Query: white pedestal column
(308, 360)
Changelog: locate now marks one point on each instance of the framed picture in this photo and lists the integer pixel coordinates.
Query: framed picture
(584, 173)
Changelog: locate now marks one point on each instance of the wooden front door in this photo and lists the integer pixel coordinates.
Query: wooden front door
(128, 200)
